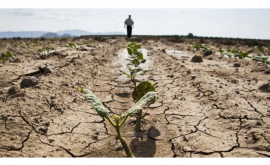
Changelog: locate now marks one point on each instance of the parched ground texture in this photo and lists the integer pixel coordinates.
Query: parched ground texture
(221, 113)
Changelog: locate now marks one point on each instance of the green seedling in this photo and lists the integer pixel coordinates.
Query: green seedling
(7, 56)
(144, 102)
(142, 89)
(71, 45)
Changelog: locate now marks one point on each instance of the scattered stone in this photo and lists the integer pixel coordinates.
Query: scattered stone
(29, 81)
(249, 80)
(47, 124)
(265, 88)
(268, 98)
(16, 60)
(43, 130)
(51, 140)
(49, 69)
(1, 65)
(208, 52)
(220, 86)
(193, 77)
(50, 81)
(196, 59)
(119, 148)
(237, 92)
(13, 138)
(267, 71)
(236, 64)
(94, 137)
(210, 58)
(37, 86)
(13, 90)
(97, 84)
(218, 80)
(171, 76)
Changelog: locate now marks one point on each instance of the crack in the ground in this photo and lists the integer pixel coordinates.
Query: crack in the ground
(61, 133)
(12, 148)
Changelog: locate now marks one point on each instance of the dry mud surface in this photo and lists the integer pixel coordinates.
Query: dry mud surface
(219, 114)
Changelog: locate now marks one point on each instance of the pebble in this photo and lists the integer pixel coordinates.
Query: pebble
(50, 81)
(220, 86)
(97, 84)
(193, 77)
(94, 137)
(237, 92)
(43, 130)
(119, 148)
(28, 81)
(1, 65)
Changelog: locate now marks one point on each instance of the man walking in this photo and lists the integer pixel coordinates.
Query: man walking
(129, 22)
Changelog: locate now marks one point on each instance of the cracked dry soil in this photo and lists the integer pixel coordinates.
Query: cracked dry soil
(219, 114)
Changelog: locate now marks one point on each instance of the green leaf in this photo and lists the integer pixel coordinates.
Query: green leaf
(140, 56)
(135, 62)
(143, 61)
(1, 58)
(8, 54)
(80, 89)
(129, 51)
(145, 101)
(95, 102)
(141, 90)
(39, 51)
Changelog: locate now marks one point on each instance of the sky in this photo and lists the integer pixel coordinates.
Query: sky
(211, 22)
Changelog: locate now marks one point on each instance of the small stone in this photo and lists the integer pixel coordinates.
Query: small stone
(50, 81)
(248, 80)
(193, 77)
(268, 98)
(77, 83)
(47, 124)
(29, 81)
(1, 65)
(94, 137)
(220, 86)
(236, 64)
(51, 140)
(119, 148)
(49, 69)
(97, 84)
(43, 130)
(237, 92)
(217, 80)
(13, 138)
(208, 52)
(236, 104)
(52, 97)
(212, 92)
(37, 86)
(211, 75)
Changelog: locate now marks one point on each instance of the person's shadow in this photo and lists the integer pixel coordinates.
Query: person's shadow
(145, 147)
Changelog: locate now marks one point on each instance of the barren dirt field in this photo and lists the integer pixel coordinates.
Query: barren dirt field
(222, 112)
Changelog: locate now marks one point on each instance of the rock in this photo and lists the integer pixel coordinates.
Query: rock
(193, 77)
(265, 88)
(196, 59)
(49, 69)
(47, 124)
(51, 140)
(1, 65)
(267, 71)
(50, 81)
(236, 64)
(43, 130)
(29, 81)
(171, 76)
(37, 86)
(13, 90)
(237, 92)
(119, 148)
(94, 137)
(208, 52)
(210, 58)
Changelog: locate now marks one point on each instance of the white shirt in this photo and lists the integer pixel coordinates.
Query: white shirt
(129, 22)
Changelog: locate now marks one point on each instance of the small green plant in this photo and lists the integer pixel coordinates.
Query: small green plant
(71, 45)
(6, 56)
(145, 101)
(139, 91)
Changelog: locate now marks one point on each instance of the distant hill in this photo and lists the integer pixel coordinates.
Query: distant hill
(45, 34)
(50, 35)
(22, 34)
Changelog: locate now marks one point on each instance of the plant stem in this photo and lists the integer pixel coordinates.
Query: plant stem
(123, 142)
(138, 122)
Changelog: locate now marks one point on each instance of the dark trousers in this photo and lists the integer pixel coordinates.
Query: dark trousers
(129, 31)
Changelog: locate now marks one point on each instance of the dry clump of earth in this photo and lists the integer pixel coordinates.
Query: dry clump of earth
(215, 108)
